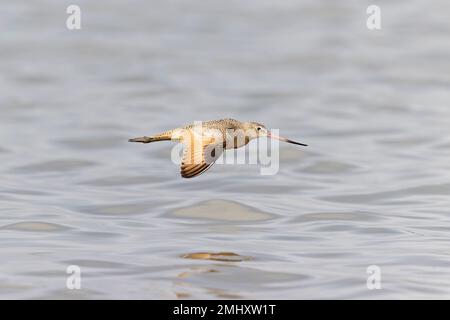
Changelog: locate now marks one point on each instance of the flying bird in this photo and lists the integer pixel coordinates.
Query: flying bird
(204, 142)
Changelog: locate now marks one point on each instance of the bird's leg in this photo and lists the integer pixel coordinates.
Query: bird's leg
(142, 139)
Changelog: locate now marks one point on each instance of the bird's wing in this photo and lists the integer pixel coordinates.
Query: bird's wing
(199, 155)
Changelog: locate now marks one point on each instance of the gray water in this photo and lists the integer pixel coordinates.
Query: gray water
(372, 188)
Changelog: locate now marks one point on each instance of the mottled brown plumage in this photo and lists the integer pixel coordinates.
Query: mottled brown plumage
(204, 142)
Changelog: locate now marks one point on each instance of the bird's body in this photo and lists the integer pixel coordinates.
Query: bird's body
(204, 142)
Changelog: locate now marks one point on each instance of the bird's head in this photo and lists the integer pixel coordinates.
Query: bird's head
(255, 130)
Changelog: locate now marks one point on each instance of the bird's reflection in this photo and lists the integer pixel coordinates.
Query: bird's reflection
(184, 281)
(219, 256)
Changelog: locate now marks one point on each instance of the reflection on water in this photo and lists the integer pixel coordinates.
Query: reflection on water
(183, 285)
(219, 256)
(219, 281)
(371, 188)
(221, 210)
(34, 227)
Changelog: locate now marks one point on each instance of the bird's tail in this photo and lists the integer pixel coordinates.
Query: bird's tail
(159, 137)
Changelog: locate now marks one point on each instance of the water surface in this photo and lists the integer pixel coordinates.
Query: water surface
(373, 187)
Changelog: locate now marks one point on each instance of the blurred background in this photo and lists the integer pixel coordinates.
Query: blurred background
(372, 188)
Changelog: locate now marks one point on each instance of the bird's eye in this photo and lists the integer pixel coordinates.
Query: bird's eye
(259, 128)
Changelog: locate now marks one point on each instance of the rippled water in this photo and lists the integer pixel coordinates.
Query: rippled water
(373, 187)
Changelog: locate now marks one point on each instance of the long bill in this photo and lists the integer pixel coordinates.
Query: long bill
(270, 135)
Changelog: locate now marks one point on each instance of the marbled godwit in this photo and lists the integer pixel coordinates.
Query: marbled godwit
(204, 142)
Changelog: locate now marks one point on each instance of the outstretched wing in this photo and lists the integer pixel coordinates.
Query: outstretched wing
(199, 155)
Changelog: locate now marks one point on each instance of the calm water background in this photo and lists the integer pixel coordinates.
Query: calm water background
(372, 188)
